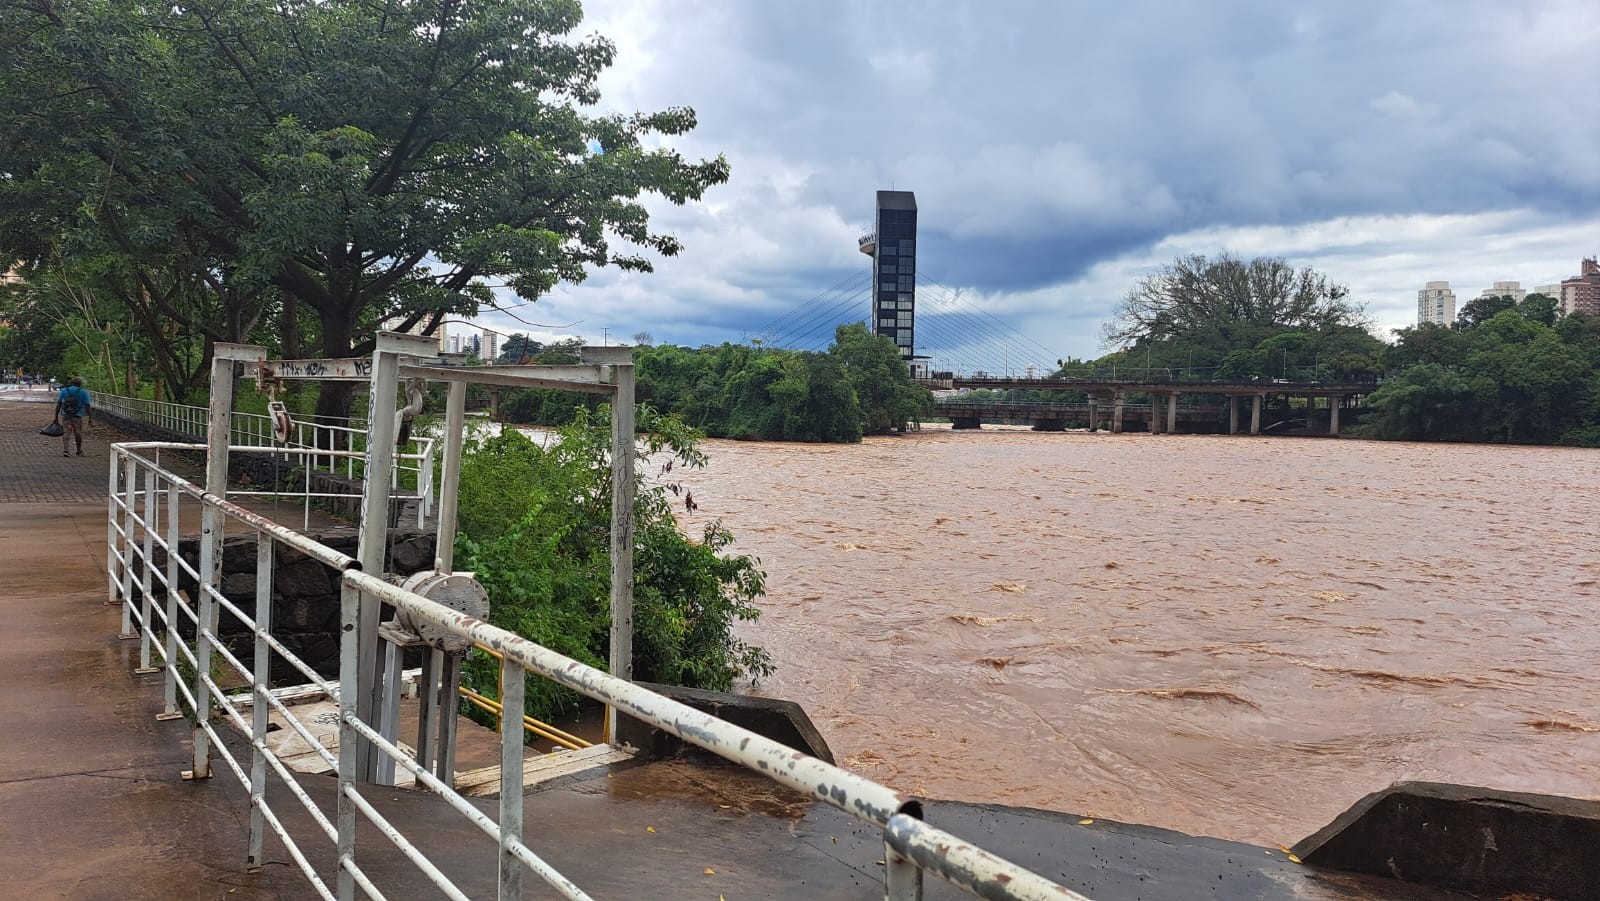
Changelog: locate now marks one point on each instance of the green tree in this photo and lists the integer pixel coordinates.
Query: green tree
(370, 162)
(1427, 401)
(1479, 310)
(1226, 304)
(1540, 308)
(535, 527)
(889, 399)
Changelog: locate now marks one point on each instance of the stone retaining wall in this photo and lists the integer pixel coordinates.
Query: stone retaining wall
(305, 593)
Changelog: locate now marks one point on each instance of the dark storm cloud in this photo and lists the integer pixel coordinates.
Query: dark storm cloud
(1043, 139)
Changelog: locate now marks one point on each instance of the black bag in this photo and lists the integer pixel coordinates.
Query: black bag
(54, 430)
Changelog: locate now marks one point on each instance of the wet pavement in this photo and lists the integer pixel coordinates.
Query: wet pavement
(91, 802)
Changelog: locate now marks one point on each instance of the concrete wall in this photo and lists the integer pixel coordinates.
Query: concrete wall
(1461, 837)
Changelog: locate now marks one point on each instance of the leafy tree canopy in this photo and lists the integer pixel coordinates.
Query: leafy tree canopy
(371, 162)
(1230, 318)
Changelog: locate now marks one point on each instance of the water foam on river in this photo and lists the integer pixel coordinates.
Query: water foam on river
(1230, 636)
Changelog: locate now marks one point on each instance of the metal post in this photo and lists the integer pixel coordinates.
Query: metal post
(112, 557)
(454, 424)
(428, 707)
(349, 659)
(449, 678)
(374, 531)
(902, 879)
(211, 525)
(205, 612)
(389, 722)
(130, 504)
(170, 678)
(439, 686)
(260, 710)
(146, 579)
(511, 709)
(622, 458)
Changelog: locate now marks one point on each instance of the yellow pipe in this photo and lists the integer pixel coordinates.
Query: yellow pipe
(556, 733)
(541, 729)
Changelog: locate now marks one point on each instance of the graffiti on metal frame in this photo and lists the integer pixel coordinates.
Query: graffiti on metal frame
(322, 369)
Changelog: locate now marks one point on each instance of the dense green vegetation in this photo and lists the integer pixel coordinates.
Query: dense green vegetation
(1506, 371)
(535, 526)
(295, 173)
(860, 386)
(1199, 318)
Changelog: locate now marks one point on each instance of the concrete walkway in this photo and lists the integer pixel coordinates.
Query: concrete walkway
(91, 804)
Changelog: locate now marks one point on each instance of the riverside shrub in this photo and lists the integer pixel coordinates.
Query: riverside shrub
(535, 526)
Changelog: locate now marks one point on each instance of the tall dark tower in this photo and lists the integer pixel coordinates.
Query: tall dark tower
(893, 248)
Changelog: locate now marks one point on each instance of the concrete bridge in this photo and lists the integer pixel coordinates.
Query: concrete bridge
(1108, 405)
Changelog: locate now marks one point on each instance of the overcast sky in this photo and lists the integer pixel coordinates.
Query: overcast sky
(1060, 150)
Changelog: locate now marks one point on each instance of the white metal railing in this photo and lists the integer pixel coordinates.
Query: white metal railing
(145, 503)
(417, 461)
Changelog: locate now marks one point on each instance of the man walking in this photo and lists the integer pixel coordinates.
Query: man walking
(72, 407)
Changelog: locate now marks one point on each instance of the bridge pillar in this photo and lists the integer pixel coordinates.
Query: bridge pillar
(1333, 415)
(1233, 415)
(1255, 413)
(1094, 415)
(1155, 413)
(965, 422)
(1172, 412)
(1116, 413)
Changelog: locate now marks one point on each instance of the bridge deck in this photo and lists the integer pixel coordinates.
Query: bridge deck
(1229, 388)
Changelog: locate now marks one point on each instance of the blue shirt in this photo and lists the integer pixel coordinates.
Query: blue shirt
(82, 398)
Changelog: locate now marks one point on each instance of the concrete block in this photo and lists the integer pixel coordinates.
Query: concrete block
(782, 721)
(1461, 837)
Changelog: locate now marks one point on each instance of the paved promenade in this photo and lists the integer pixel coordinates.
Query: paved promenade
(91, 804)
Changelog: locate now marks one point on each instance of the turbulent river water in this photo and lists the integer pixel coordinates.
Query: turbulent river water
(1235, 637)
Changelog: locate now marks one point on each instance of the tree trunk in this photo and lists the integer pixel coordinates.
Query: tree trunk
(334, 398)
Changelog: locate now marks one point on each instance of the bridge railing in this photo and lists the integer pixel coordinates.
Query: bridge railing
(341, 446)
(145, 505)
(1160, 377)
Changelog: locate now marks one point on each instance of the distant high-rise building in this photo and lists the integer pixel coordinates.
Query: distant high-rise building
(893, 248)
(1549, 291)
(1436, 303)
(1512, 290)
(491, 345)
(453, 345)
(1581, 293)
(477, 346)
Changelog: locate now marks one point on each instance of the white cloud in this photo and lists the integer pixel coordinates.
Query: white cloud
(1058, 153)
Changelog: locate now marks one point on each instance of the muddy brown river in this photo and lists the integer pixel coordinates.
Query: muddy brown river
(1235, 637)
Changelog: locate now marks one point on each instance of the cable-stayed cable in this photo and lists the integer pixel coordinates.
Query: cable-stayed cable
(789, 319)
(824, 323)
(1001, 323)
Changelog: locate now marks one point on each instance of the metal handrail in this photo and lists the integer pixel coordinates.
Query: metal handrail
(147, 499)
(350, 434)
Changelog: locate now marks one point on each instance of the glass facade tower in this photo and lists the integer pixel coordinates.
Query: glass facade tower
(894, 268)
